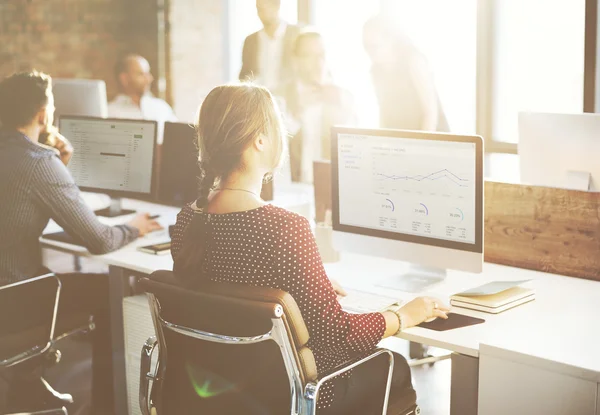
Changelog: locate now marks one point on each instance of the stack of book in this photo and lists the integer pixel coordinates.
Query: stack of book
(494, 297)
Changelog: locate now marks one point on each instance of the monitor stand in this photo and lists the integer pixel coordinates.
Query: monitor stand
(114, 210)
(415, 280)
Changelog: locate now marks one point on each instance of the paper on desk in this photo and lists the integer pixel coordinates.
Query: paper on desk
(494, 287)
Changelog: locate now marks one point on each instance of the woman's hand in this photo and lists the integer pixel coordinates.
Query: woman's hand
(421, 309)
(338, 289)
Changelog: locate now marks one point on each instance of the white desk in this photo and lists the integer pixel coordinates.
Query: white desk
(561, 326)
(517, 383)
(558, 334)
(564, 308)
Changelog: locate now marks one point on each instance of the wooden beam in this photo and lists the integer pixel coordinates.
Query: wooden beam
(590, 84)
(306, 12)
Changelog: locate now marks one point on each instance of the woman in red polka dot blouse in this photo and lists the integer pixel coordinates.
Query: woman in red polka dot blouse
(230, 235)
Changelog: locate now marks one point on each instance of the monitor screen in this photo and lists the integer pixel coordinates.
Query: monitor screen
(110, 154)
(414, 187)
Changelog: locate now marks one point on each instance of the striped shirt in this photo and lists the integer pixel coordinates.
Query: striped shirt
(35, 187)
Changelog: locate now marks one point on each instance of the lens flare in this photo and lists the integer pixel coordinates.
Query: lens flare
(207, 384)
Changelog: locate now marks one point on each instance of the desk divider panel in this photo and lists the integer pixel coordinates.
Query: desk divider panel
(543, 229)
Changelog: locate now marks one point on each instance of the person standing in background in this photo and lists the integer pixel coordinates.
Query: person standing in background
(313, 104)
(266, 57)
(404, 84)
(135, 100)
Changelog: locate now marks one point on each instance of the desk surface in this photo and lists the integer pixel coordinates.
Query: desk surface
(562, 325)
(295, 199)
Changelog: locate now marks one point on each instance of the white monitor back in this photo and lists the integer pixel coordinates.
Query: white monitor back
(80, 97)
(560, 150)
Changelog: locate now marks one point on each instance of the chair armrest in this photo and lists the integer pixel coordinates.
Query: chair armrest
(312, 388)
(58, 411)
(145, 375)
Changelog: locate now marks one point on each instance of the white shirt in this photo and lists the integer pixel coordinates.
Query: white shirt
(270, 56)
(151, 108)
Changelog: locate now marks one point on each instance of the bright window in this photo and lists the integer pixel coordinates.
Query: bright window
(538, 60)
(341, 24)
(446, 33)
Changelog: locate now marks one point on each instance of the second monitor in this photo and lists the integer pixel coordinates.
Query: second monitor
(410, 196)
(560, 150)
(112, 156)
(79, 97)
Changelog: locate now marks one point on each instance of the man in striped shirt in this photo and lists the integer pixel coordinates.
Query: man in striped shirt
(35, 186)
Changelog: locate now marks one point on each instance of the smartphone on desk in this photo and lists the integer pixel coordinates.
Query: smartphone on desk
(156, 249)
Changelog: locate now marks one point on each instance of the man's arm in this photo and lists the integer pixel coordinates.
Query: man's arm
(58, 194)
(248, 72)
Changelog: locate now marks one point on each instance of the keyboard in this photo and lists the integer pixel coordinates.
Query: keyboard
(364, 302)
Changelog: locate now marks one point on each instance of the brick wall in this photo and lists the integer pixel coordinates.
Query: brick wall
(83, 38)
(75, 38)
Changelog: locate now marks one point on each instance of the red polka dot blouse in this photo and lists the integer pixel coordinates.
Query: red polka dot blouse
(272, 247)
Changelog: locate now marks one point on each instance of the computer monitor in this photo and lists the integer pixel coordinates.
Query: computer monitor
(560, 150)
(112, 156)
(179, 169)
(409, 196)
(79, 97)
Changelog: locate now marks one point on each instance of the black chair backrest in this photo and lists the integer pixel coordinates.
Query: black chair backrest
(201, 376)
(27, 317)
(179, 168)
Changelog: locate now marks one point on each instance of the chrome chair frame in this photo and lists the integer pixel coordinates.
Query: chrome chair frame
(61, 411)
(302, 402)
(40, 350)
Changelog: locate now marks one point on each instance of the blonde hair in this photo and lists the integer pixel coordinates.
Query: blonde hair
(231, 117)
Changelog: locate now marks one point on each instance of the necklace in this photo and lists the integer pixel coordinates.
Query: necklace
(220, 189)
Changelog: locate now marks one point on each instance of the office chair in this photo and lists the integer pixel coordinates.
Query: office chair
(233, 348)
(27, 334)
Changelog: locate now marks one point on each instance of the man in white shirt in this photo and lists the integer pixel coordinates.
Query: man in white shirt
(266, 57)
(313, 104)
(135, 100)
